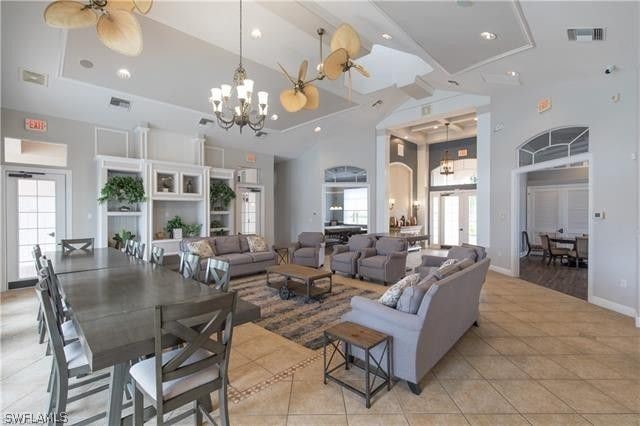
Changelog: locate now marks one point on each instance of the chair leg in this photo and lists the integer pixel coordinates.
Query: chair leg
(198, 415)
(138, 407)
(415, 388)
(222, 403)
(62, 391)
(52, 376)
(54, 385)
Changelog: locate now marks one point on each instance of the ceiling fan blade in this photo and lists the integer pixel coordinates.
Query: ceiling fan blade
(287, 74)
(333, 65)
(313, 96)
(69, 14)
(361, 70)
(120, 5)
(120, 31)
(292, 100)
(143, 6)
(346, 38)
(302, 72)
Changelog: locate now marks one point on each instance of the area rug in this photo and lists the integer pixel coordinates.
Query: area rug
(303, 323)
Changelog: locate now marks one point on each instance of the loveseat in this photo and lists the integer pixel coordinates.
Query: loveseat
(447, 310)
(235, 250)
(466, 251)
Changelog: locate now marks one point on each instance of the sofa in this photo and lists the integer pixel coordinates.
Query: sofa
(235, 250)
(447, 310)
(308, 250)
(345, 257)
(385, 261)
(465, 251)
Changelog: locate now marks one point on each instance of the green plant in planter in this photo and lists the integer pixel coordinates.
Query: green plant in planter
(192, 230)
(122, 189)
(187, 229)
(121, 237)
(175, 223)
(221, 194)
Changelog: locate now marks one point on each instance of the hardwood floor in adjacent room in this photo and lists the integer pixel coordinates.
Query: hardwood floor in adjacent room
(565, 279)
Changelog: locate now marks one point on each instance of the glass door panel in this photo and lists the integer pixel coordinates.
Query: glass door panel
(451, 220)
(471, 236)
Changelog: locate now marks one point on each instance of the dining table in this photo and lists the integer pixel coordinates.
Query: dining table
(113, 308)
(83, 260)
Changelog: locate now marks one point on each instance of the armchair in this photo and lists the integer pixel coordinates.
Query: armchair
(345, 257)
(386, 261)
(308, 250)
(465, 251)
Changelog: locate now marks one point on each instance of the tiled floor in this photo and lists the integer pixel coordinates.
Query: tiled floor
(538, 357)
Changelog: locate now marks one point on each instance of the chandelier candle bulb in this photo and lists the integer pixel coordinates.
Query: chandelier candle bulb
(226, 91)
(263, 97)
(242, 92)
(216, 94)
(248, 84)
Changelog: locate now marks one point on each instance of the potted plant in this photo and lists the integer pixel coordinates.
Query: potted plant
(121, 238)
(123, 189)
(221, 195)
(174, 227)
(191, 230)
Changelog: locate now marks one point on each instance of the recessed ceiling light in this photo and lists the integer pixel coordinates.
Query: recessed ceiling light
(513, 73)
(488, 35)
(274, 117)
(387, 36)
(436, 127)
(317, 129)
(124, 74)
(475, 118)
(86, 63)
(256, 33)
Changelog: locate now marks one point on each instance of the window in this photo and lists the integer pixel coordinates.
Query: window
(465, 172)
(356, 206)
(23, 151)
(554, 144)
(345, 174)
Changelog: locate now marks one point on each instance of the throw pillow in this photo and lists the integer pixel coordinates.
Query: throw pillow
(446, 270)
(465, 263)
(411, 297)
(201, 248)
(392, 295)
(257, 243)
(448, 262)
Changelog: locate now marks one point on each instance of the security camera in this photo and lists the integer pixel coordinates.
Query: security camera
(609, 69)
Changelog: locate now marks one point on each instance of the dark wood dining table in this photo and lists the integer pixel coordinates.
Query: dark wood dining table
(113, 311)
(80, 260)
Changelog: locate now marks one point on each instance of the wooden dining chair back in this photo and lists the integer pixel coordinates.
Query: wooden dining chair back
(528, 246)
(138, 249)
(50, 279)
(71, 245)
(551, 250)
(582, 247)
(189, 265)
(218, 273)
(157, 255)
(197, 368)
(36, 253)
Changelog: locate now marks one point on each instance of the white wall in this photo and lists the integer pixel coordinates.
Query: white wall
(400, 180)
(613, 141)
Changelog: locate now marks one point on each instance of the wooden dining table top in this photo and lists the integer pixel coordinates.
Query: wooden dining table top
(80, 260)
(113, 308)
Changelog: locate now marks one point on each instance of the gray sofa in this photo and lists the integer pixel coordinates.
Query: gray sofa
(345, 257)
(386, 261)
(235, 250)
(308, 250)
(448, 309)
(465, 251)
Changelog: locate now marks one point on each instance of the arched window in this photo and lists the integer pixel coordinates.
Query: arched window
(554, 144)
(344, 174)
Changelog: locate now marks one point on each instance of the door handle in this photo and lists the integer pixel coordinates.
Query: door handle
(52, 234)
(461, 229)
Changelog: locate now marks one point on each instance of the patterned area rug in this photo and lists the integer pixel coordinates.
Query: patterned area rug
(303, 323)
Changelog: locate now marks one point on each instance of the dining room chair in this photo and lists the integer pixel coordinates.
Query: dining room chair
(157, 255)
(69, 361)
(217, 273)
(581, 251)
(36, 253)
(129, 247)
(552, 251)
(192, 372)
(138, 249)
(189, 265)
(530, 247)
(71, 245)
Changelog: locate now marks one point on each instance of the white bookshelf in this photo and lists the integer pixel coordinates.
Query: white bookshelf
(224, 217)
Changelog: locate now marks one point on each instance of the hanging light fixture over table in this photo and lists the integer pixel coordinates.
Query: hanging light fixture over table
(446, 164)
(242, 113)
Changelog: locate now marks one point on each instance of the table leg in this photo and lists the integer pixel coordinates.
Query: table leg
(367, 389)
(346, 355)
(389, 352)
(324, 357)
(116, 389)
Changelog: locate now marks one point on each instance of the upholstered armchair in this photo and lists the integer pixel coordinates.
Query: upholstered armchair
(386, 261)
(308, 250)
(465, 251)
(345, 257)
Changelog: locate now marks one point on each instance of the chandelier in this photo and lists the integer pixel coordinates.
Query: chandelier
(233, 104)
(446, 164)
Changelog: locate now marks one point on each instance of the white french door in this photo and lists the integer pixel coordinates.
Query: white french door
(454, 218)
(250, 209)
(36, 214)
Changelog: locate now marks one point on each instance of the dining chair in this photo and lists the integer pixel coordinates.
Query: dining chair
(190, 373)
(36, 253)
(530, 247)
(189, 265)
(581, 251)
(138, 249)
(69, 361)
(218, 273)
(552, 251)
(157, 255)
(129, 247)
(71, 245)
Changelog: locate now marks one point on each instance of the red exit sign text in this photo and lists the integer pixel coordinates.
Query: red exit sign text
(35, 125)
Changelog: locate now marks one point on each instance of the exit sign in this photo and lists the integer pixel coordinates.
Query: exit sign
(544, 105)
(35, 125)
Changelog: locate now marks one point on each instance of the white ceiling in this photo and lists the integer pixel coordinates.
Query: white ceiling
(170, 82)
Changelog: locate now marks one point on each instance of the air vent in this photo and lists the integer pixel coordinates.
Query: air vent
(585, 34)
(33, 77)
(205, 121)
(120, 103)
(261, 134)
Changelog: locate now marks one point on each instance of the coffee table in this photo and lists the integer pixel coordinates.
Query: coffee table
(299, 280)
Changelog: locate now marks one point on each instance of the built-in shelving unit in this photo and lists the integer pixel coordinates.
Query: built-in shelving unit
(222, 218)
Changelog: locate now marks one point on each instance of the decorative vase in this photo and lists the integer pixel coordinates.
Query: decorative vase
(177, 233)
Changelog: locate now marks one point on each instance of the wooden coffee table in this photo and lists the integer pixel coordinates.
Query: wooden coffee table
(299, 280)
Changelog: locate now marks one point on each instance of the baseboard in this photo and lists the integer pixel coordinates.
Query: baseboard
(616, 307)
(503, 271)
